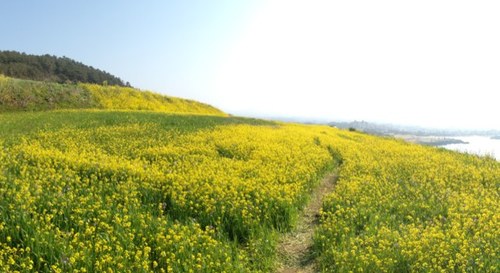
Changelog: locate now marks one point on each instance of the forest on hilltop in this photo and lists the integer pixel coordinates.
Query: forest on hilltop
(52, 68)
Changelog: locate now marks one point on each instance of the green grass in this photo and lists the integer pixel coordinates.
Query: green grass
(16, 124)
(27, 95)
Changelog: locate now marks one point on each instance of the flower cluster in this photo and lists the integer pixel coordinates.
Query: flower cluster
(401, 207)
(121, 98)
(143, 196)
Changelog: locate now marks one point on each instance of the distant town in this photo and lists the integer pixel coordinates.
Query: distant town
(415, 134)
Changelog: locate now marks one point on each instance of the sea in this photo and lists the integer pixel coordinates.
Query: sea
(480, 145)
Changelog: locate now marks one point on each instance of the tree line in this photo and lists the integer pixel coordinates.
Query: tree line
(52, 68)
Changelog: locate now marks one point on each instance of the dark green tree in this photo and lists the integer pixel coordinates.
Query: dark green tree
(51, 68)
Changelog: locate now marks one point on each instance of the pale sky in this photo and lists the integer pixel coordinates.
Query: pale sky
(429, 63)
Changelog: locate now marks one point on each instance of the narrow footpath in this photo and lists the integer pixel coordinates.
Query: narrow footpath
(295, 247)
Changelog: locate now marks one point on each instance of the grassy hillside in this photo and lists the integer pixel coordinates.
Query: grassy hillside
(115, 97)
(26, 95)
(103, 191)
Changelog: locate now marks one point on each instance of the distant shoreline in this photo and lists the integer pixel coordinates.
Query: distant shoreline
(479, 145)
(431, 140)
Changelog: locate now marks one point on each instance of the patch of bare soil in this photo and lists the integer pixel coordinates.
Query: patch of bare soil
(294, 248)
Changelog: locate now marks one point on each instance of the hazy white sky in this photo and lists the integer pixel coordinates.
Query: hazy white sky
(432, 63)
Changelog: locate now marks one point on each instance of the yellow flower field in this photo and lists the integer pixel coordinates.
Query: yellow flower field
(150, 197)
(404, 208)
(101, 191)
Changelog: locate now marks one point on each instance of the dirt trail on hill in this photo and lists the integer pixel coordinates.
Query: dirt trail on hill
(294, 248)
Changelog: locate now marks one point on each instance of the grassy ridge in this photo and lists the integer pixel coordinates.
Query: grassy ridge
(26, 95)
(115, 97)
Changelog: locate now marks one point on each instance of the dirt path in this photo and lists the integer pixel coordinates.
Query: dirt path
(294, 248)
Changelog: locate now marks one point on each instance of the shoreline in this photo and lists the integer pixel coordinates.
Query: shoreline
(431, 140)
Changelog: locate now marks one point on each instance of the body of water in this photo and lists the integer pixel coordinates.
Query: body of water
(480, 145)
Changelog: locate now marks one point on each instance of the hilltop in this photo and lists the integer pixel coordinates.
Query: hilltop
(54, 69)
(28, 95)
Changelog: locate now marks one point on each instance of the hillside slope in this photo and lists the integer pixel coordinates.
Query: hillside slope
(27, 95)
